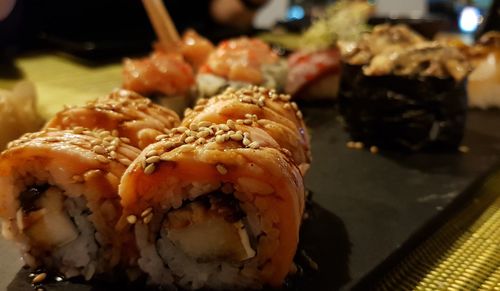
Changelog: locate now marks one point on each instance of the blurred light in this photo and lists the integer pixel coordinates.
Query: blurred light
(469, 19)
(295, 12)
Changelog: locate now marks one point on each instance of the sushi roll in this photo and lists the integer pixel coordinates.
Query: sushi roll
(238, 63)
(133, 117)
(167, 75)
(483, 86)
(400, 91)
(314, 75)
(265, 108)
(215, 205)
(60, 200)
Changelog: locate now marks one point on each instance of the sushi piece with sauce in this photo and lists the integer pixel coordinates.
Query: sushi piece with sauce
(131, 115)
(167, 75)
(60, 200)
(483, 84)
(400, 91)
(238, 63)
(217, 205)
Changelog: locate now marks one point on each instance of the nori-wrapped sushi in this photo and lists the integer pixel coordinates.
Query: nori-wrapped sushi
(412, 97)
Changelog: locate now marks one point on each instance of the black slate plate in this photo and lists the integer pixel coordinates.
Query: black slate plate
(367, 210)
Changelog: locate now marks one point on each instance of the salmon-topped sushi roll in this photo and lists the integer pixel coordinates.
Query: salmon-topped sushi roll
(130, 114)
(240, 62)
(262, 108)
(216, 205)
(60, 199)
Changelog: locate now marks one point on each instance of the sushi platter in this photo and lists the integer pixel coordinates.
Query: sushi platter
(240, 166)
(354, 228)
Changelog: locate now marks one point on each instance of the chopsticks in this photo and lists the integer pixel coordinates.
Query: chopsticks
(162, 23)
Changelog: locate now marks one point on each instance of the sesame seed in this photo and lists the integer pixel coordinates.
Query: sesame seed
(284, 97)
(246, 141)
(193, 126)
(254, 145)
(236, 136)
(149, 169)
(230, 123)
(112, 154)
(99, 150)
(102, 159)
(287, 106)
(131, 219)
(299, 114)
(248, 115)
(160, 137)
(168, 145)
(198, 108)
(247, 122)
(294, 106)
(146, 212)
(373, 149)
(109, 139)
(125, 139)
(78, 129)
(204, 123)
(358, 145)
(350, 144)
(153, 159)
(246, 99)
(124, 161)
(221, 169)
(148, 218)
(202, 101)
(239, 121)
(190, 139)
(219, 132)
(463, 149)
(219, 139)
(204, 133)
(224, 127)
(151, 153)
(201, 141)
(181, 129)
(261, 122)
(39, 278)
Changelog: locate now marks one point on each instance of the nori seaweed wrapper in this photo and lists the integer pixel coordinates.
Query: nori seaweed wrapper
(403, 112)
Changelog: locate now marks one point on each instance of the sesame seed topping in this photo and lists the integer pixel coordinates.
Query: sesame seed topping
(204, 133)
(230, 123)
(358, 145)
(39, 278)
(254, 145)
(125, 139)
(124, 161)
(153, 159)
(294, 106)
(201, 141)
(113, 154)
(219, 132)
(198, 108)
(221, 169)
(161, 136)
(102, 159)
(261, 122)
(131, 219)
(190, 139)
(287, 106)
(149, 169)
(224, 127)
(239, 121)
(247, 122)
(99, 150)
(181, 129)
(204, 124)
(193, 126)
(146, 212)
(148, 218)
(78, 130)
(151, 153)
(236, 136)
(373, 149)
(219, 139)
(299, 114)
(246, 141)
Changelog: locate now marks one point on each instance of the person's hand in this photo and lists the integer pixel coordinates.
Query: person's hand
(6, 7)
